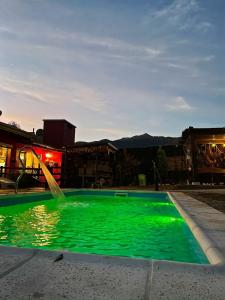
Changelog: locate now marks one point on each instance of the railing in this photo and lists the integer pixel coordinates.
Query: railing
(35, 172)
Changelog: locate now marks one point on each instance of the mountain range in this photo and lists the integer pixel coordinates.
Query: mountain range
(138, 141)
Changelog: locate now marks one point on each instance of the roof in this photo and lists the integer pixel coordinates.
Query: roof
(59, 120)
(17, 131)
(14, 130)
(47, 147)
(203, 131)
(91, 144)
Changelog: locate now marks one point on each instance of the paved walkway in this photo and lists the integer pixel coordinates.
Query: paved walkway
(210, 220)
(34, 274)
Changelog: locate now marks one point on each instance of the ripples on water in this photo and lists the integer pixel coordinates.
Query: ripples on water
(134, 227)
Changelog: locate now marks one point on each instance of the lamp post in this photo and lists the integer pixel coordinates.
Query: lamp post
(156, 176)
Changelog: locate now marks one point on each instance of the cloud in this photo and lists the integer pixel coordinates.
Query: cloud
(96, 133)
(47, 91)
(65, 46)
(204, 26)
(24, 119)
(181, 15)
(58, 41)
(112, 132)
(4, 29)
(111, 46)
(88, 71)
(176, 10)
(18, 91)
(174, 13)
(178, 66)
(205, 58)
(88, 98)
(179, 104)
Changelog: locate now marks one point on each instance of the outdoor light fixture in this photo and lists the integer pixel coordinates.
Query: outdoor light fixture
(48, 155)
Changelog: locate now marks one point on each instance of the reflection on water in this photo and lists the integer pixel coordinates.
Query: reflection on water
(36, 226)
(3, 231)
(75, 204)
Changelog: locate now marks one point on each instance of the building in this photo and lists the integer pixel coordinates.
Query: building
(134, 161)
(90, 164)
(204, 150)
(175, 163)
(58, 133)
(11, 138)
(15, 155)
(198, 157)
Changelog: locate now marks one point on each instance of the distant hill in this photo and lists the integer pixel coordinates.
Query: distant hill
(139, 141)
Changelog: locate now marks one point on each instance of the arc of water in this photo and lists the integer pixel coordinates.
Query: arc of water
(54, 187)
(21, 174)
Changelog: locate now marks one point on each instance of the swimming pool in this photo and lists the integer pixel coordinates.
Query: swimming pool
(132, 224)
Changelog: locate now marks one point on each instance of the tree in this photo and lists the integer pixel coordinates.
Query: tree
(161, 161)
(39, 132)
(126, 167)
(14, 124)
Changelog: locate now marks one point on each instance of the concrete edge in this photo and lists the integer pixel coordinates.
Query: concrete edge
(72, 256)
(30, 253)
(22, 192)
(210, 249)
(135, 191)
(161, 276)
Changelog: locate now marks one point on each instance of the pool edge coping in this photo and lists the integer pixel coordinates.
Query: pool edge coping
(210, 249)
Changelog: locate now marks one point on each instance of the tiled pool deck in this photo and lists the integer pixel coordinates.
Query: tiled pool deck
(206, 223)
(33, 274)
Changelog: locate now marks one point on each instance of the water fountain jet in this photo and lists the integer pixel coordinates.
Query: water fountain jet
(54, 187)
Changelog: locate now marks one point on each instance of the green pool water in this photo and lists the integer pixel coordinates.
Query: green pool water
(108, 225)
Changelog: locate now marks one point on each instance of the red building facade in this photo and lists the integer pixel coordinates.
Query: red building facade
(16, 154)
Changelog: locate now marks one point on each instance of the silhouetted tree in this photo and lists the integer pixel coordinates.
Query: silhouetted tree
(126, 167)
(14, 124)
(39, 132)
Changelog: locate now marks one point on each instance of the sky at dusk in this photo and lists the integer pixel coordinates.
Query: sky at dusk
(113, 68)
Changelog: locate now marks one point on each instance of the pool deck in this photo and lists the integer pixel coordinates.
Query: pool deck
(33, 274)
(206, 223)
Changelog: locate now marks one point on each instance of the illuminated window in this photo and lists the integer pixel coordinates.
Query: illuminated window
(3, 156)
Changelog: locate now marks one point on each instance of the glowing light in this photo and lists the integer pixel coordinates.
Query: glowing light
(213, 145)
(223, 145)
(48, 155)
